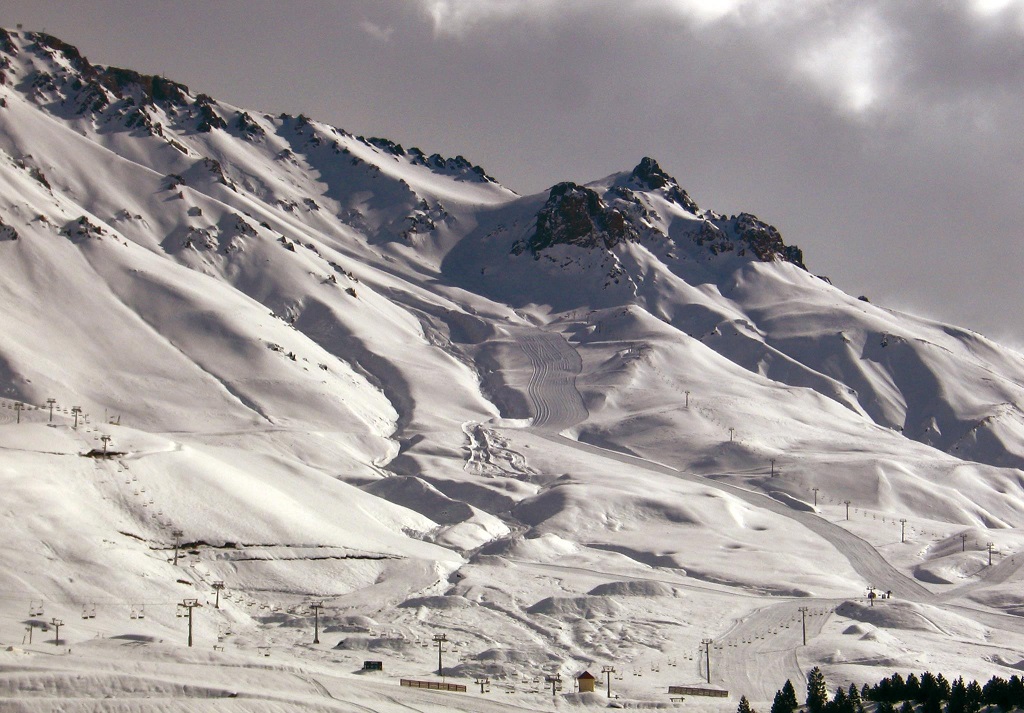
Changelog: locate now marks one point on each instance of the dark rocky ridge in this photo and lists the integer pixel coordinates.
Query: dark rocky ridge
(580, 216)
(576, 215)
(129, 97)
(458, 165)
(650, 176)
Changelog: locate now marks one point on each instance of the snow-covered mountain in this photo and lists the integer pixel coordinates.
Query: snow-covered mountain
(590, 426)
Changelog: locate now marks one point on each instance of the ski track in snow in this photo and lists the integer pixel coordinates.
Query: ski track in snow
(551, 391)
(489, 454)
(762, 648)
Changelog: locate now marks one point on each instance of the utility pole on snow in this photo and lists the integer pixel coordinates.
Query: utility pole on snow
(963, 541)
(815, 496)
(707, 653)
(190, 604)
(439, 641)
(316, 607)
(76, 411)
(903, 529)
(732, 433)
(556, 683)
(687, 404)
(177, 543)
(56, 624)
(106, 439)
(990, 546)
(803, 622)
(608, 671)
(18, 406)
(847, 504)
(50, 403)
(217, 586)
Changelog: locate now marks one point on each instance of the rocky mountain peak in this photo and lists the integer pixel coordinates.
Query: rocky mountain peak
(577, 215)
(582, 217)
(648, 175)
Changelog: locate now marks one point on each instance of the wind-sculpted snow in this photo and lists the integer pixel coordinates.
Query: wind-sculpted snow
(863, 558)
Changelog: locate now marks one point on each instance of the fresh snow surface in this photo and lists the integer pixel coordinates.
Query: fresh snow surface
(322, 362)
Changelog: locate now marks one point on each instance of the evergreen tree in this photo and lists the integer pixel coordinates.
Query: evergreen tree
(928, 689)
(780, 704)
(957, 697)
(898, 688)
(856, 704)
(943, 687)
(744, 706)
(881, 691)
(865, 693)
(975, 697)
(907, 707)
(1016, 691)
(994, 692)
(885, 707)
(840, 702)
(912, 689)
(817, 693)
(790, 695)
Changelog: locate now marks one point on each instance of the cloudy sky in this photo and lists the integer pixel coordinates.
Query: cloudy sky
(882, 136)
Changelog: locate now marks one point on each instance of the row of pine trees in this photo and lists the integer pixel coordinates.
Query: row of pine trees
(927, 693)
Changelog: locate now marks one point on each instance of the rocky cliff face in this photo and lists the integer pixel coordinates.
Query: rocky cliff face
(649, 176)
(583, 217)
(577, 215)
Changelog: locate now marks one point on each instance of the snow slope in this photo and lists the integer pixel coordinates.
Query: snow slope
(590, 427)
